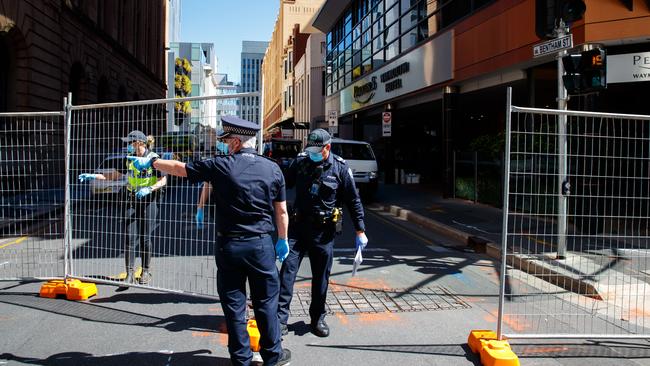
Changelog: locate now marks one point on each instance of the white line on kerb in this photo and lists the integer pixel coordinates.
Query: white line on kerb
(3, 263)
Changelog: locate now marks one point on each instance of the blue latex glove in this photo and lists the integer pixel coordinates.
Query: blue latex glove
(143, 192)
(361, 241)
(87, 177)
(140, 163)
(282, 249)
(199, 218)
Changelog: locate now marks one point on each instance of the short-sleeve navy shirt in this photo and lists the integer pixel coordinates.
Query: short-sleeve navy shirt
(244, 187)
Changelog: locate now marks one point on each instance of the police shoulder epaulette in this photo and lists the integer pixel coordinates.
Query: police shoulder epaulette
(338, 158)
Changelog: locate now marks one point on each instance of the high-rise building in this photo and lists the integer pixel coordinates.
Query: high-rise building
(173, 21)
(203, 61)
(279, 60)
(252, 54)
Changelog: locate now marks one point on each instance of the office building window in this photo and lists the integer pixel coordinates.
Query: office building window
(371, 32)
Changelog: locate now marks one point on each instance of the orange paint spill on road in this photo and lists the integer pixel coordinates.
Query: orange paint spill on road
(516, 323)
(342, 318)
(365, 283)
(378, 317)
(197, 334)
(639, 313)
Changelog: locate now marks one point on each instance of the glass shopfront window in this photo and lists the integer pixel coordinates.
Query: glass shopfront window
(372, 32)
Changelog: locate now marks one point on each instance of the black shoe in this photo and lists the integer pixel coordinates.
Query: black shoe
(129, 279)
(284, 329)
(145, 277)
(285, 358)
(320, 328)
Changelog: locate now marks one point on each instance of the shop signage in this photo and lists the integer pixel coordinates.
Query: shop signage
(427, 65)
(386, 124)
(364, 93)
(628, 68)
(553, 46)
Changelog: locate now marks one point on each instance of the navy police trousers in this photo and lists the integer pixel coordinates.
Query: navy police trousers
(319, 246)
(251, 258)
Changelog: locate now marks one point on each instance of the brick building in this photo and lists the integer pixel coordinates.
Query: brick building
(101, 51)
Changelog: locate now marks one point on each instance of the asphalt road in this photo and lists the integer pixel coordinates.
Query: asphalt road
(434, 290)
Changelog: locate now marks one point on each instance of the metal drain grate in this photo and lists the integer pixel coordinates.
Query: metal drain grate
(380, 301)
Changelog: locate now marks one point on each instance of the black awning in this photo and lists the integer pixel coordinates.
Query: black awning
(291, 124)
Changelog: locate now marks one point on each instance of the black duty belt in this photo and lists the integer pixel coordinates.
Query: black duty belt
(242, 235)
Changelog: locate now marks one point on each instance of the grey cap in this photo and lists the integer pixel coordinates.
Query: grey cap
(135, 135)
(318, 138)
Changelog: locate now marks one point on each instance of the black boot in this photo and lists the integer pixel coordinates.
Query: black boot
(285, 358)
(320, 327)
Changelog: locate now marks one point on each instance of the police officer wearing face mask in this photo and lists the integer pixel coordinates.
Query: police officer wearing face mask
(322, 180)
(143, 190)
(248, 193)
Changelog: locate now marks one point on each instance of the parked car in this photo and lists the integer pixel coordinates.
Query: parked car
(361, 159)
(283, 151)
(110, 164)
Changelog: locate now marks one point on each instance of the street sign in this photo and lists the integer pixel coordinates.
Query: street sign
(386, 124)
(333, 122)
(332, 119)
(553, 46)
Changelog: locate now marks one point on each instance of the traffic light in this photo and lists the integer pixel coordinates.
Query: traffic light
(585, 72)
(549, 12)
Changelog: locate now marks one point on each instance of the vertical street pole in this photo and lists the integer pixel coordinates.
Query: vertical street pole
(67, 235)
(562, 99)
(504, 223)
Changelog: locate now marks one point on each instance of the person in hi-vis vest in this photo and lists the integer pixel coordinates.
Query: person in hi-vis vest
(143, 190)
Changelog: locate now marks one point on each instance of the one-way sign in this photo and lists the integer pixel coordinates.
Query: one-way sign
(553, 46)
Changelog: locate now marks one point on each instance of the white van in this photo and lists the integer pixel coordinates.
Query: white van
(361, 159)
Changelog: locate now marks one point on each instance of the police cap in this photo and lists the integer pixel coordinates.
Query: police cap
(237, 126)
(135, 135)
(318, 138)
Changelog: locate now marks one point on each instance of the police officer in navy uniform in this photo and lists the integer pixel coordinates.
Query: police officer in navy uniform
(323, 180)
(249, 190)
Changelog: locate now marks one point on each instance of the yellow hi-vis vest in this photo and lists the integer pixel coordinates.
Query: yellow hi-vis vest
(139, 179)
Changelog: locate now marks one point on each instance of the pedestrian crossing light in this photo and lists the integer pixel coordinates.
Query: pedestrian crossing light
(585, 72)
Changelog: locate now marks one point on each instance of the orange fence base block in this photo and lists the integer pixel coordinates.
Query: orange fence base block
(492, 351)
(476, 336)
(254, 333)
(70, 289)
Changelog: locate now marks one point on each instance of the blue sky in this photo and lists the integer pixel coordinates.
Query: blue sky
(227, 23)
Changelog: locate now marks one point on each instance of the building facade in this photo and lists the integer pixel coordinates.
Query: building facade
(441, 69)
(309, 75)
(277, 67)
(252, 54)
(99, 51)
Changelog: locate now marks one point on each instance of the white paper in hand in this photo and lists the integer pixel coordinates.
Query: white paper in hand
(358, 259)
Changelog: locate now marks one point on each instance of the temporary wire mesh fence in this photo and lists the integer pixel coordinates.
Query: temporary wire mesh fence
(120, 228)
(32, 186)
(584, 274)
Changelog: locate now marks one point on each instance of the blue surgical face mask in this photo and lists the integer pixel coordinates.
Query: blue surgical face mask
(222, 147)
(316, 157)
(130, 149)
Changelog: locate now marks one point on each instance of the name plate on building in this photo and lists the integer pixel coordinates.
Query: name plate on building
(628, 68)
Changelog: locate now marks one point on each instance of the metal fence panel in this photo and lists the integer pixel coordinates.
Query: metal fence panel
(109, 222)
(32, 186)
(600, 288)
